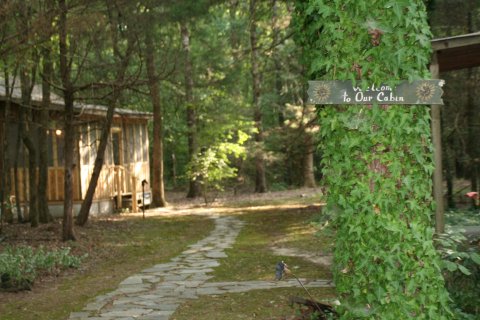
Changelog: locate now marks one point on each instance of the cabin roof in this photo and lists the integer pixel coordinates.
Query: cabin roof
(57, 103)
(458, 52)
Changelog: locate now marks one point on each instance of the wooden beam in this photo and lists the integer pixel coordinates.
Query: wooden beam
(456, 41)
(437, 145)
(459, 58)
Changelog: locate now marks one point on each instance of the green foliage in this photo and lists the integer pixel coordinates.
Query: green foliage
(462, 217)
(20, 266)
(213, 165)
(377, 159)
(461, 267)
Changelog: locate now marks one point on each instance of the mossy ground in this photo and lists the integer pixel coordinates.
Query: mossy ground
(123, 245)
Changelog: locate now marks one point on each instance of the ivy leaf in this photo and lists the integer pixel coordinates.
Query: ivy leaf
(475, 257)
(464, 270)
(451, 266)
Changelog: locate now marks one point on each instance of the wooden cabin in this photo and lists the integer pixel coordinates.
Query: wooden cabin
(126, 160)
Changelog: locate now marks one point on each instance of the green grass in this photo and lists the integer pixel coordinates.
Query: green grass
(257, 304)
(307, 198)
(129, 246)
(251, 258)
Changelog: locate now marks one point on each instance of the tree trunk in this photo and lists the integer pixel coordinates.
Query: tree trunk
(158, 188)
(194, 187)
(3, 167)
(68, 97)
(308, 165)
(277, 64)
(84, 213)
(449, 161)
(18, 145)
(5, 187)
(32, 182)
(260, 180)
(234, 32)
(43, 209)
(69, 129)
(106, 128)
(28, 130)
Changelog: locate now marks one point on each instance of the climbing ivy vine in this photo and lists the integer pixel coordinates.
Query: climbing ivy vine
(377, 163)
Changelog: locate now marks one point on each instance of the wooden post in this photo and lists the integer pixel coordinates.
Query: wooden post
(119, 187)
(437, 145)
(134, 194)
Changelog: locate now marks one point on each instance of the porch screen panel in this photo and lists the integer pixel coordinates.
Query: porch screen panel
(84, 147)
(126, 145)
(144, 143)
(138, 143)
(133, 143)
(92, 143)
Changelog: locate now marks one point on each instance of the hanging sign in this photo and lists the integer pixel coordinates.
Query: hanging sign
(343, 92)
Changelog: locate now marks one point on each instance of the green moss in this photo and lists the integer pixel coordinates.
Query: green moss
(137, 244)
(252, 257)
(258, 304)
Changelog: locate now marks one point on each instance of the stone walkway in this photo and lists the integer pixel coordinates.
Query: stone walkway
(155, 293)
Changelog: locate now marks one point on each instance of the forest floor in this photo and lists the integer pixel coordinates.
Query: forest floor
(278, 227)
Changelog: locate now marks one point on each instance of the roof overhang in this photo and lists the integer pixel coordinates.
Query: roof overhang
(57, 103)
(459, 52)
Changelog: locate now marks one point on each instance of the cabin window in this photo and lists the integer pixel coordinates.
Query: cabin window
(126, 145)
(92, 143)
(145, 143)
(139, 146)
(132, 145)
(116, 148)
(84, 147)
(138, 143)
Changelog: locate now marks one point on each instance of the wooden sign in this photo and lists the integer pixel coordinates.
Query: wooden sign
(343, 92)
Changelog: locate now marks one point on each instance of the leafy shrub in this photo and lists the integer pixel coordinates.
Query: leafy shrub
(461, 269)
(20, 266)
(213, 165)
(462, 217)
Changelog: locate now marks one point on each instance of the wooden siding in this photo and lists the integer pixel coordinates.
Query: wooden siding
(115, 178)
(132, 157)
(55, 188)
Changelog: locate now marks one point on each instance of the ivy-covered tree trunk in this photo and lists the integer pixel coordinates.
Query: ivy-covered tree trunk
(377, 159)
